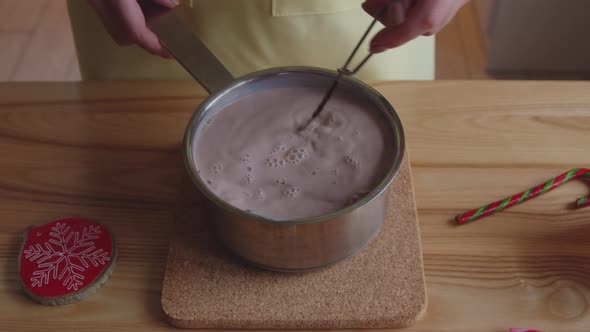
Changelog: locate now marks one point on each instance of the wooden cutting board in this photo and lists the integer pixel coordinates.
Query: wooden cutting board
(381, 287)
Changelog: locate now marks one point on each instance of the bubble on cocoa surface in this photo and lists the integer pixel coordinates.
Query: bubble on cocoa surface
(352, 162)
(260, 195)
(331, 120)
(246, 158)
(291, 192)
(216, 168)
(335, 172)
(248, 179)
(281, 181)
(296, 155)
(279, 148)
(275, 162)
(249, 169)
(314, 172)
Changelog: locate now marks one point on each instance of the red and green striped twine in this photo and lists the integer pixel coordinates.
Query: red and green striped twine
(500, 205)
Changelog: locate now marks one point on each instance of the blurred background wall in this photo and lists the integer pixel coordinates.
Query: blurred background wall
(521, 39)
(538, 37)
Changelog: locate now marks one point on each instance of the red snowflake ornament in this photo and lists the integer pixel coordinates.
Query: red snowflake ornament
(65, 260)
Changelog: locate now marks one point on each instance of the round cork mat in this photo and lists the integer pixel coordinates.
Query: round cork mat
(381, 287)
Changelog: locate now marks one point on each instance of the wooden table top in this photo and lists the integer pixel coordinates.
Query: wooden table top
(109, 151)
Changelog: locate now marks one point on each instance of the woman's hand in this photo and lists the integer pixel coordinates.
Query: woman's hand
(124, 21)
(420, 18)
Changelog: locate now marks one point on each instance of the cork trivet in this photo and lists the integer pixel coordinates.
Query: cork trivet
(381, 287)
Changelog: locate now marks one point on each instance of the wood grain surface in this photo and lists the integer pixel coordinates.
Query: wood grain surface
(110, 152)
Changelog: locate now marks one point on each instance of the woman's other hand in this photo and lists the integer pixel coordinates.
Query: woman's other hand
(125, 22)
(418, 18)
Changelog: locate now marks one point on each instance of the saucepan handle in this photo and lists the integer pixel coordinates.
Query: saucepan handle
(173, 29)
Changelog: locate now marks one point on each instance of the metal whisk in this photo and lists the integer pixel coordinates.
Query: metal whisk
(344, 70)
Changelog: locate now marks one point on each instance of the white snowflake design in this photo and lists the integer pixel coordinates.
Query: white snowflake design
(65, 255)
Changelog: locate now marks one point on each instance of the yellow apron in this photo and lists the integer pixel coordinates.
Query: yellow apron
(250, 35)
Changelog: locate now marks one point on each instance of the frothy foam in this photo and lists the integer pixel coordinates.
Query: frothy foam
(246, 159)
(260, 195)
(252, 155)
(295, 156)
(291, 192)
(275, 162)
(279, 148)
(216, 168)
(352, 162)
(248, 179)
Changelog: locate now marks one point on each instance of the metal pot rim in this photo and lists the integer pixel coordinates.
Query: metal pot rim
(194, 120)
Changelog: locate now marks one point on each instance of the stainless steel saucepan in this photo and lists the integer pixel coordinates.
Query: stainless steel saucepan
(292, 245)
